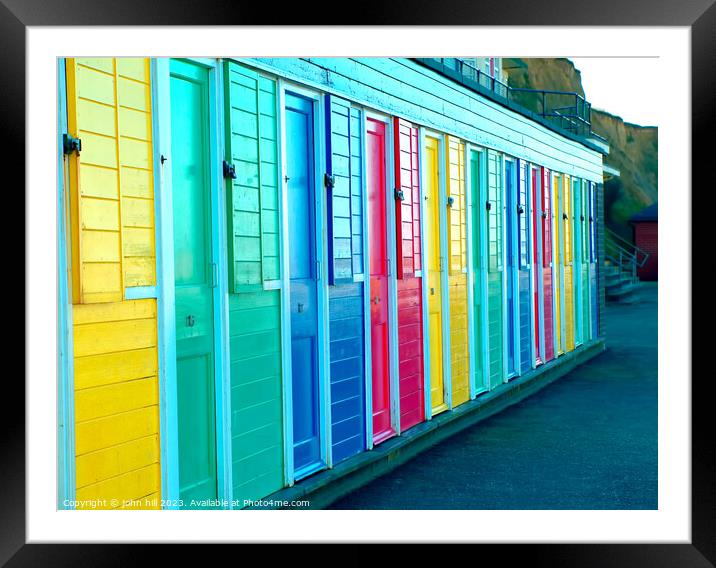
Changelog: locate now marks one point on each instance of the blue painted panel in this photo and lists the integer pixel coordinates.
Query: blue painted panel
(525, 327)
(510, 264)
(338, 190)
(523, 255)
(357, 190)
(345, 258)
(303, 285)
(347, 352)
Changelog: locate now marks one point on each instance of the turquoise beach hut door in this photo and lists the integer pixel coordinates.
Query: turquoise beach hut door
(194, 281)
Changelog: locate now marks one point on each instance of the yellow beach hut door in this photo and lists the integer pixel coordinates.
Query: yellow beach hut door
(434, 267)
(194, 282)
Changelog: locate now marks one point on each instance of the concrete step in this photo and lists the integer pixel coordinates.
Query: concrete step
(626, 293)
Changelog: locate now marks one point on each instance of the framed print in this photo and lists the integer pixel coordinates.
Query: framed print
(411, 282)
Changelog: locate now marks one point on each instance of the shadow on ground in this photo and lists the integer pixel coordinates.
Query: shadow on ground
(588, 441)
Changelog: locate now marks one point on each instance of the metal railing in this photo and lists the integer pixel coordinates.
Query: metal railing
(569, 111)
(625, 255)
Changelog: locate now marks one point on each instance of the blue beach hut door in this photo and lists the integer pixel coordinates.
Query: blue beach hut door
(303, 275)
(510, 263)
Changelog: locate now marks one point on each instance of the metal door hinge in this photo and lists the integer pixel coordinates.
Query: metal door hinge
(214, 275)
(318, 270)
(329, 180)
(229, 170)
(71, 144)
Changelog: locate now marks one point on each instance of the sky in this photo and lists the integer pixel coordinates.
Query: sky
(622, 86)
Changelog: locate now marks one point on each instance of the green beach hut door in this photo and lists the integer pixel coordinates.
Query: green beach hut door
(194, 279)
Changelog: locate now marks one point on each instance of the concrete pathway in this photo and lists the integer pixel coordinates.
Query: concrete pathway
(588, 441)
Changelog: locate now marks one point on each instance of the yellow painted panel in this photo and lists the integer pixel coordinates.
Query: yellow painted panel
(100, 246)
(108, 368)
(135, 123)
(457, 292)
(95, 86)
(103, 401)
(137, 212)
(105, 64)
(128, 310)
(99, 214)
(139, 271)
(432, 262)
(116, 460)
(133, 95)
(136, 183)
(108, 337)
(459, 345)
(567, 208)
(457, 228)
(568, 308)
(557, 260)
(115, 340)
(96, 117)
(98, 182)
(127, 486)
(101, 433)
(135, 153)
(103, 280)
(138, 241)
(133, 67)
(98, 150)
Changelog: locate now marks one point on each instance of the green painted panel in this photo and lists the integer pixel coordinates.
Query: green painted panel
(479, 218)
(495, 331)
(256, 395)
(252, 197)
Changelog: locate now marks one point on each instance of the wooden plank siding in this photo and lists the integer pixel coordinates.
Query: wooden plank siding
(495, 269)
(252, 208)
(457, 273)
(256, 403)
(402, 87)
(116, 392)
(116, 400)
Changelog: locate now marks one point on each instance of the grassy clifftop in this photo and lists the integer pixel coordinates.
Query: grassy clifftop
(633, 148)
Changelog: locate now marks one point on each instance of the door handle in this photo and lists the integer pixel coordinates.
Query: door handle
(190, 321)
(376, 300)
(300, 307)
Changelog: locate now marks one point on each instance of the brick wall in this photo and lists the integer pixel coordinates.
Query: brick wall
(646, 237)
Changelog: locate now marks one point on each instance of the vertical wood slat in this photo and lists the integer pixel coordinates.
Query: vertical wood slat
(252, 198)
(407, 210)
(111, 179)
(94, 182)
(339, 142)
(457, 228)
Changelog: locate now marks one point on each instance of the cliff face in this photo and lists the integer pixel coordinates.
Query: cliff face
(633, 149)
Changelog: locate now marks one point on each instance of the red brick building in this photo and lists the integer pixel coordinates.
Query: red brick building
(646, 236)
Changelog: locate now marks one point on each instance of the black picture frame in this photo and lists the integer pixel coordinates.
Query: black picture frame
(699, 15)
